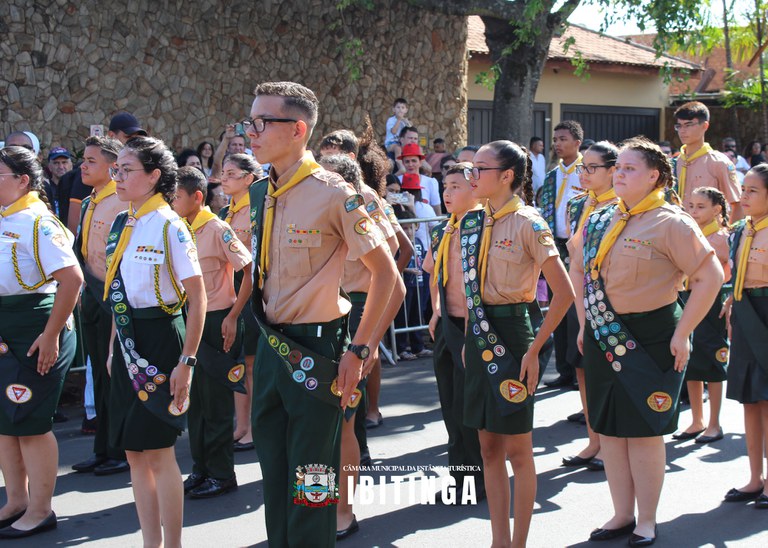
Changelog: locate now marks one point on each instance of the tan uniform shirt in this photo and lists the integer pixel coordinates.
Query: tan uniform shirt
(757, 262)
(645, 267)
(357, 278)
(220, 254)
(713, 169)
(456, 299)
(241, 225)
(101, 221)
(719, 242)
(577, 240)
(516, 255)
(312, 236)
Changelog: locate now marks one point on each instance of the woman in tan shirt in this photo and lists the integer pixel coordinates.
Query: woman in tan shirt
(504, 248)
(637, 343)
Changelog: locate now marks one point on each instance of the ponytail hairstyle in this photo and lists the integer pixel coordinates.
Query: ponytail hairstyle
(23, 161)
(717, 198)
(154, 154)
(373, 160)
(245, 162)
(760, 170)
(607, 150)
(344, 166)
(516, 158)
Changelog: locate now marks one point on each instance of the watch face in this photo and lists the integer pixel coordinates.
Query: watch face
(364, 352)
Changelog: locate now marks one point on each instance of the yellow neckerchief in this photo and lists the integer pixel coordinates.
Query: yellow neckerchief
(441, 260)
(153, 204)
(566, 173)
(485, 243)
(592, 202)
(308, 167)
(29, 199)
(708, 230)
(203, 216)
(653, 201)
(109, 189)
(235, 207)
(686, 161)
(750, 229)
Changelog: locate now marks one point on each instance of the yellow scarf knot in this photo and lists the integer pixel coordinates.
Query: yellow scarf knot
(485, 244)
(741, 272)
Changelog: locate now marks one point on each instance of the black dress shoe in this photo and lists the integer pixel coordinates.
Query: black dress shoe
(48, 524)
(682, 436)
(10, 520)
(352, 529)
(559, 381)
(576, 461)
(710, 439)
(637, 540)
(608, 534)
(192, 481)
(90, 464)
(734, 495)
(212, 487)
(761, 503)
(238, 447)
(596, 465)
(111, 466)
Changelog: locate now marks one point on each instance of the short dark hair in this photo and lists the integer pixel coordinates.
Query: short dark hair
(458, 168)
(438, 141)
(446, 159)
(534, 140)
(400, 101)
(192, 179)
(407, 129)
(185, 155)
(471, 148)
(665, 144)
(575, 129)
(296, 98)
(342, 138)
(109, 147)
(345, 166)
(693, 110)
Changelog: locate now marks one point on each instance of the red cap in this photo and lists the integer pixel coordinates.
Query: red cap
(411, 181)
(411, 149)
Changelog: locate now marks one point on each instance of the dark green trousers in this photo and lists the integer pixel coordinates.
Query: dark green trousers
(96, 323)
(290, 429)
(212, 409)
(463, 444)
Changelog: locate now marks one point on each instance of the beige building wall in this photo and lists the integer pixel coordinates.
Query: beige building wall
(560, 85)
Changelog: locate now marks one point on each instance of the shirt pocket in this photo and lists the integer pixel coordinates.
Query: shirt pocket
(209, 264)
(758, 260)
(300, 242)
(635, 262)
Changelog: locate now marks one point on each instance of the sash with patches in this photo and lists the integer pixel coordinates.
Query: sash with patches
(454, 337)
(652, 392)
(24, 388)
(744, 311)
(501, 368)
(152, 386)
(547, 199)
(313, 372)
(221, 366)
(710, 338)
(575, 209)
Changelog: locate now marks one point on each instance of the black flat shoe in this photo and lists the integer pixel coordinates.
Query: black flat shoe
(559, 382)
(576, 461)
(352, 529)
(10, 520)
(576, 417)
(238, 447)
(683, 436)
(193, 480)
(90, 464)
(637, 540)
(48, 524)
(608, 534)
(761, 502)
(710, 439)
(596, 465)
(111, 466)
(213, 488)
(734, 495)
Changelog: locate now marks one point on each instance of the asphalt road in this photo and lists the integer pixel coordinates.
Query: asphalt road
(98, 511)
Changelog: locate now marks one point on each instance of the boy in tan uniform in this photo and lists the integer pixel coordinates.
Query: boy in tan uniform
(212, 407)
(302, 237)
(96, 216)
(699, 164)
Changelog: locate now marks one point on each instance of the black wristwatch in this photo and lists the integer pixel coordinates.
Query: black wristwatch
(189, 361)
(359, 350)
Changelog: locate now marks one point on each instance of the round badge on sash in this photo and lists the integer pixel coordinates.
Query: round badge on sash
(311, 383)
(659, 402)
(721, 355)
(177, 411)
(355, 398)
(299, 376)
(3, 348)
(335, 389)
(307, 363)
(18, 393)
(236, 373)
(616, 366)
(513, 391)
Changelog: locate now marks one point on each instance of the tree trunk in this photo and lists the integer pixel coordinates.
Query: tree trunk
(733, 119)
(520, 72)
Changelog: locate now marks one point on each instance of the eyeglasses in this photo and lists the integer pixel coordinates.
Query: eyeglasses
(591, 168)
(121, 173)
(689, 125)
(258, 125)
(475, 172)
(9, 175)
(228, 176)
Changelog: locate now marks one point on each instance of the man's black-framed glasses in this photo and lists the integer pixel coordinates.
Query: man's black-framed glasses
(260, 124)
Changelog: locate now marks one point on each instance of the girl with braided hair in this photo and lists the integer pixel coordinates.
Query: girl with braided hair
(39, 287)
(634, 339)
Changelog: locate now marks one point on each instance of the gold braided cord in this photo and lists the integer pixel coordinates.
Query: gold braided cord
(180, 294)
(36, 254)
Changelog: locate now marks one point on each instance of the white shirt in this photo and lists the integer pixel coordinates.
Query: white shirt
(430, 190)
(145, 250)
(54, 246)
(539, 164)
(571, 189)
(742, 165)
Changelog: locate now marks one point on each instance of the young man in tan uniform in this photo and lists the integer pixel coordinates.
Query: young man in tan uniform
(97, 213)
(699, 164)
(212, 407)
(302, 237)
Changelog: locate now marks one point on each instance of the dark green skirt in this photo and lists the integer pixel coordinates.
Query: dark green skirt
(132, 426)
(709, 352)
(22, 319)
(480, 408)
(747, 379)
(611, 412)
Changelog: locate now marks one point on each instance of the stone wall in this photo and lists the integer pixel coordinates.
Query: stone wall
(187, 68)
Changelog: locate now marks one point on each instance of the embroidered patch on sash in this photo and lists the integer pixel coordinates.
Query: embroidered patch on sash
(335, 389)
(354, 399)
(659, 402)
(176, 411)
(307, 363)
(513, 391)
(18, 393)
(236, 373)
(3, 348)
(722, 355)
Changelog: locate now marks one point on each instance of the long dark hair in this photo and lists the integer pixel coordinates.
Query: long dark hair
(22, 161)
(373, 160)
(246, 163)
(200, 154)
(514, 157)
(154, 154)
